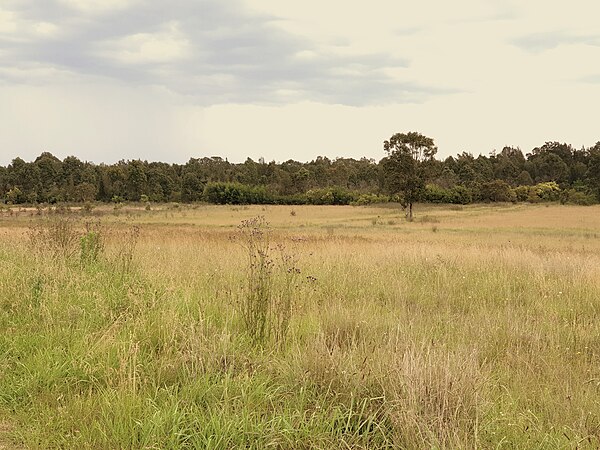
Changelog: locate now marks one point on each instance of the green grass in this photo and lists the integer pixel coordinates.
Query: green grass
(399, 338)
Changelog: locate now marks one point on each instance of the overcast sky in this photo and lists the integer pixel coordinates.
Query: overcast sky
(168, 80)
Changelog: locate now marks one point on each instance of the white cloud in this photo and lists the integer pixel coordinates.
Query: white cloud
(294, 79)
(46, 29)
(212, 52)
(98, 6)
(167, 45)
(8, 21)
(307, 55)
(36, 74)
(15, 28)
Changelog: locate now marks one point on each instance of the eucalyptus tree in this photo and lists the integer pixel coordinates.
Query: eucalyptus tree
(405, 166)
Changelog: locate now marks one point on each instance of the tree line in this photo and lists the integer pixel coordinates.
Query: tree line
(410, 172)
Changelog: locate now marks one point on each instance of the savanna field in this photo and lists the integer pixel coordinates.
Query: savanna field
(205, 327)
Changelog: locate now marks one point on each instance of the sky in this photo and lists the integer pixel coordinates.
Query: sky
(106, 80)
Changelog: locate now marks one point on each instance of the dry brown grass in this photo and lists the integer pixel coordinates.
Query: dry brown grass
(481, 334)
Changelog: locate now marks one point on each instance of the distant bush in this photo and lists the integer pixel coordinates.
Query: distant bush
(436, 194)
(331, 196)
(522, 193)
(369, 199)
(237, 194)
(576, 197)
(462, 195)
(457, 194)
(15, 196)
(544, 192)
(496, 191)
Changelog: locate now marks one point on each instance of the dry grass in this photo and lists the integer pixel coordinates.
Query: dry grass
(482, 334)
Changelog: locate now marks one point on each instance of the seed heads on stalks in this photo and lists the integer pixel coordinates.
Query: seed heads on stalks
(271, 283)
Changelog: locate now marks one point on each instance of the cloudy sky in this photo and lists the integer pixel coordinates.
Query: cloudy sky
(120, 79)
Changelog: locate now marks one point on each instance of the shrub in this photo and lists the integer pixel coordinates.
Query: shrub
(457, 194)
(369, 199)
(437, 194)
(496, 191)
(544, 192)
(15, 196)
(236, 194)
(331, 196)
(461, 195)
(522, 193)
(577, 197)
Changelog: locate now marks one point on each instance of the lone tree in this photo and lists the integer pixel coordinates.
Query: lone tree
(404, 167)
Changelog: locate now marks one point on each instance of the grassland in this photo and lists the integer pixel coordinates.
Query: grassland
(474, 327)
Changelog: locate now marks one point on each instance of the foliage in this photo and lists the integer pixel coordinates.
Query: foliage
(496, 191)
(330, 196)
(236, 194)
(371, 199)
(522, 193)
(575, 197)
(457, 194)
(404, 167)
(548, 191)
(405, 172)
(15, 196)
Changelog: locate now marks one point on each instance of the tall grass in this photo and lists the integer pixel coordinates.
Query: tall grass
(395, 337)
(271, 283)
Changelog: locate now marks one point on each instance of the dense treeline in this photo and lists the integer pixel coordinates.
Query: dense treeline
(554, 171)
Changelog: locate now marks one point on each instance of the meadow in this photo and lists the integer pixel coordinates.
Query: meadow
(470, 327)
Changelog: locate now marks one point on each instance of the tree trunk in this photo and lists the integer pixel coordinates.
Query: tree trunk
(410, 213)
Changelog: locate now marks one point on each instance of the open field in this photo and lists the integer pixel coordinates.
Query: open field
(471, 327)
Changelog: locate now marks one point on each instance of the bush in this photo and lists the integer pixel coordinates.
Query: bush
(369, 199)
(331, 196)
(437, 194)
(461, 195)
(544, 192)
(15, 196)
(237, 194)
(496, 191)
(576, 197)
(522, 193)
(458, 194)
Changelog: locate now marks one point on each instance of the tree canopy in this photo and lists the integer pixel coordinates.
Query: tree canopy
(409, 172)
(405, 168)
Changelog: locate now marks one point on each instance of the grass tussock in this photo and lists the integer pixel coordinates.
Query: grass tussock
(317, 330)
